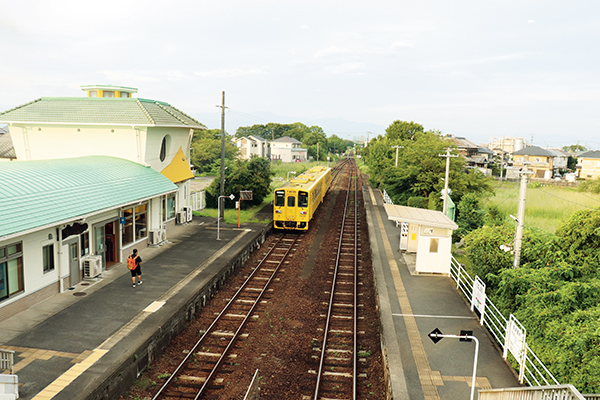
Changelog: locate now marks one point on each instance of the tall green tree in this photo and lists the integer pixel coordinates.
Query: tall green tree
(206, 151)
(421, 170)
(254, 174)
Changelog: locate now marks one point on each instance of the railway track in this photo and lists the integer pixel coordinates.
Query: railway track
(337, 372)
(201, 373)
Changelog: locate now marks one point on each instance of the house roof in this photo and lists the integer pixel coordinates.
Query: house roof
(534, 151)
(589, 154)
(99, 111)
(420, 216)
(41, 193)
(257, 138)
(285, 139)
(7, 149)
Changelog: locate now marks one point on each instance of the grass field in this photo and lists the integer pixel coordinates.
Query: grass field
(547, 206)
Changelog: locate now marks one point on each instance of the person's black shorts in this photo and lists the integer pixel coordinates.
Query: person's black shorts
(137, 271)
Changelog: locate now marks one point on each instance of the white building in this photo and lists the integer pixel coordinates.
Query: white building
(288, 149)
(95, 177)
(253, 146)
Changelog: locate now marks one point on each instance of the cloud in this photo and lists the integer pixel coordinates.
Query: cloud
(531, 21)
(230, 72)
(304, 27)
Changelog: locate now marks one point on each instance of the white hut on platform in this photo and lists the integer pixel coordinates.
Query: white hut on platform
(429, 234)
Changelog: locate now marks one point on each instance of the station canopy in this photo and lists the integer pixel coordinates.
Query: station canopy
(419, 216)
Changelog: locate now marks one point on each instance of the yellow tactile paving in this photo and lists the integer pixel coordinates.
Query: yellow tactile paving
(426, 375)
(65, 379)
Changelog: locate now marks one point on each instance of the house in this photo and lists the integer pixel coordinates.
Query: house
(288, 149)
(475, 156)
(588, 164)
(505, 145)
(253, 146)
(7, 151)
(545, 163)
(95, 177)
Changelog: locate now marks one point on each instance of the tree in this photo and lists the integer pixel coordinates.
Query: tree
(401, 130)
(254, 174)
(206, 151)
(470, 214)
(574, 149)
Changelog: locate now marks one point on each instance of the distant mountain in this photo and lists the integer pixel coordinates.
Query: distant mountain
(332, 126)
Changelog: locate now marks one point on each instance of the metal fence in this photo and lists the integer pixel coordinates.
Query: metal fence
(198, 200)
(532, 371)
(7, 361)
(554, 392)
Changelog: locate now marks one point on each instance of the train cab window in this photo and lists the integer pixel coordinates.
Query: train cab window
(303, 199)
(291, 201)
(279, 198)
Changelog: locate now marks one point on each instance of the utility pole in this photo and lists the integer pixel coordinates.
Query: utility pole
(221, 198)
(447, 155)
(521, 214)
(397, 147)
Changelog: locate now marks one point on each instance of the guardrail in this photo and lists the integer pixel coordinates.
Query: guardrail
(531, 369)
(554, 392)
(7, 361)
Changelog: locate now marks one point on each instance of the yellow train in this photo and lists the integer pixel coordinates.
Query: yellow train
(296, 201)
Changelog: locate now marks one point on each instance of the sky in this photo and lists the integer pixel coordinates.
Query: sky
(472, 68)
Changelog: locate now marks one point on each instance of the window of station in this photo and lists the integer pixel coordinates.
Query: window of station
(280, 198)
(48, 258)
(291, 201)
(303, 199)
(135, 227)
(169, 207)
(11, 270)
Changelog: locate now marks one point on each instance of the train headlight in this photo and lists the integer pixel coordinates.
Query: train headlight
(278, 211)
(303, 212)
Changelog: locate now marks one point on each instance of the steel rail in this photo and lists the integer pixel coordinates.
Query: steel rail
(234, 298)
(331, 298)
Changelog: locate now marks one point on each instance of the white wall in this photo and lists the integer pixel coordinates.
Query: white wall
(177, 137)
(64, 141)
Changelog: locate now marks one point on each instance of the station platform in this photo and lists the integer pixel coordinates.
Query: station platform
(90, 342)
(411, 306)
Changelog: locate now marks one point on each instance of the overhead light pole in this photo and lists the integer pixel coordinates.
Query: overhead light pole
(397, 147)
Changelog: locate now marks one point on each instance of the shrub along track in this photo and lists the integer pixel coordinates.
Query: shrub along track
(281, 341)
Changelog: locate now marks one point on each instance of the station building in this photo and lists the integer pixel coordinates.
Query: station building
(95, 176)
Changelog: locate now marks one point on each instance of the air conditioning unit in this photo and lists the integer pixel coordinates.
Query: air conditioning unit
(92, 266)
(181, 217)
(188, 213)
(157, 236)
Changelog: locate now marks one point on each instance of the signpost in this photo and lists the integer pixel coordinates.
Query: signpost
(515, 342)
(231, 196)
(465, 336)
(478, 298)
(244, 195)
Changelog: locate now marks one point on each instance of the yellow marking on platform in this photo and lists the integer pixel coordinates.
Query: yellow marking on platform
(429, 379)
(155, 306)
(72, 373)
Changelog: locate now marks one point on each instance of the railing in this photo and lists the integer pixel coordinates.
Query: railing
(554, 392)
(386, 198)
(532, 370)
(7, 361)
(198, 200)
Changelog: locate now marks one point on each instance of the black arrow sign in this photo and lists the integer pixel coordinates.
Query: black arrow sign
(433, 335)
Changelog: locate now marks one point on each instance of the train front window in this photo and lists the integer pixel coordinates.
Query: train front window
(280, 198)
(291, 201)
(303, 199)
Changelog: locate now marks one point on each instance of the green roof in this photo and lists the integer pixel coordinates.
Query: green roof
(100, 110)
(35, 194)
